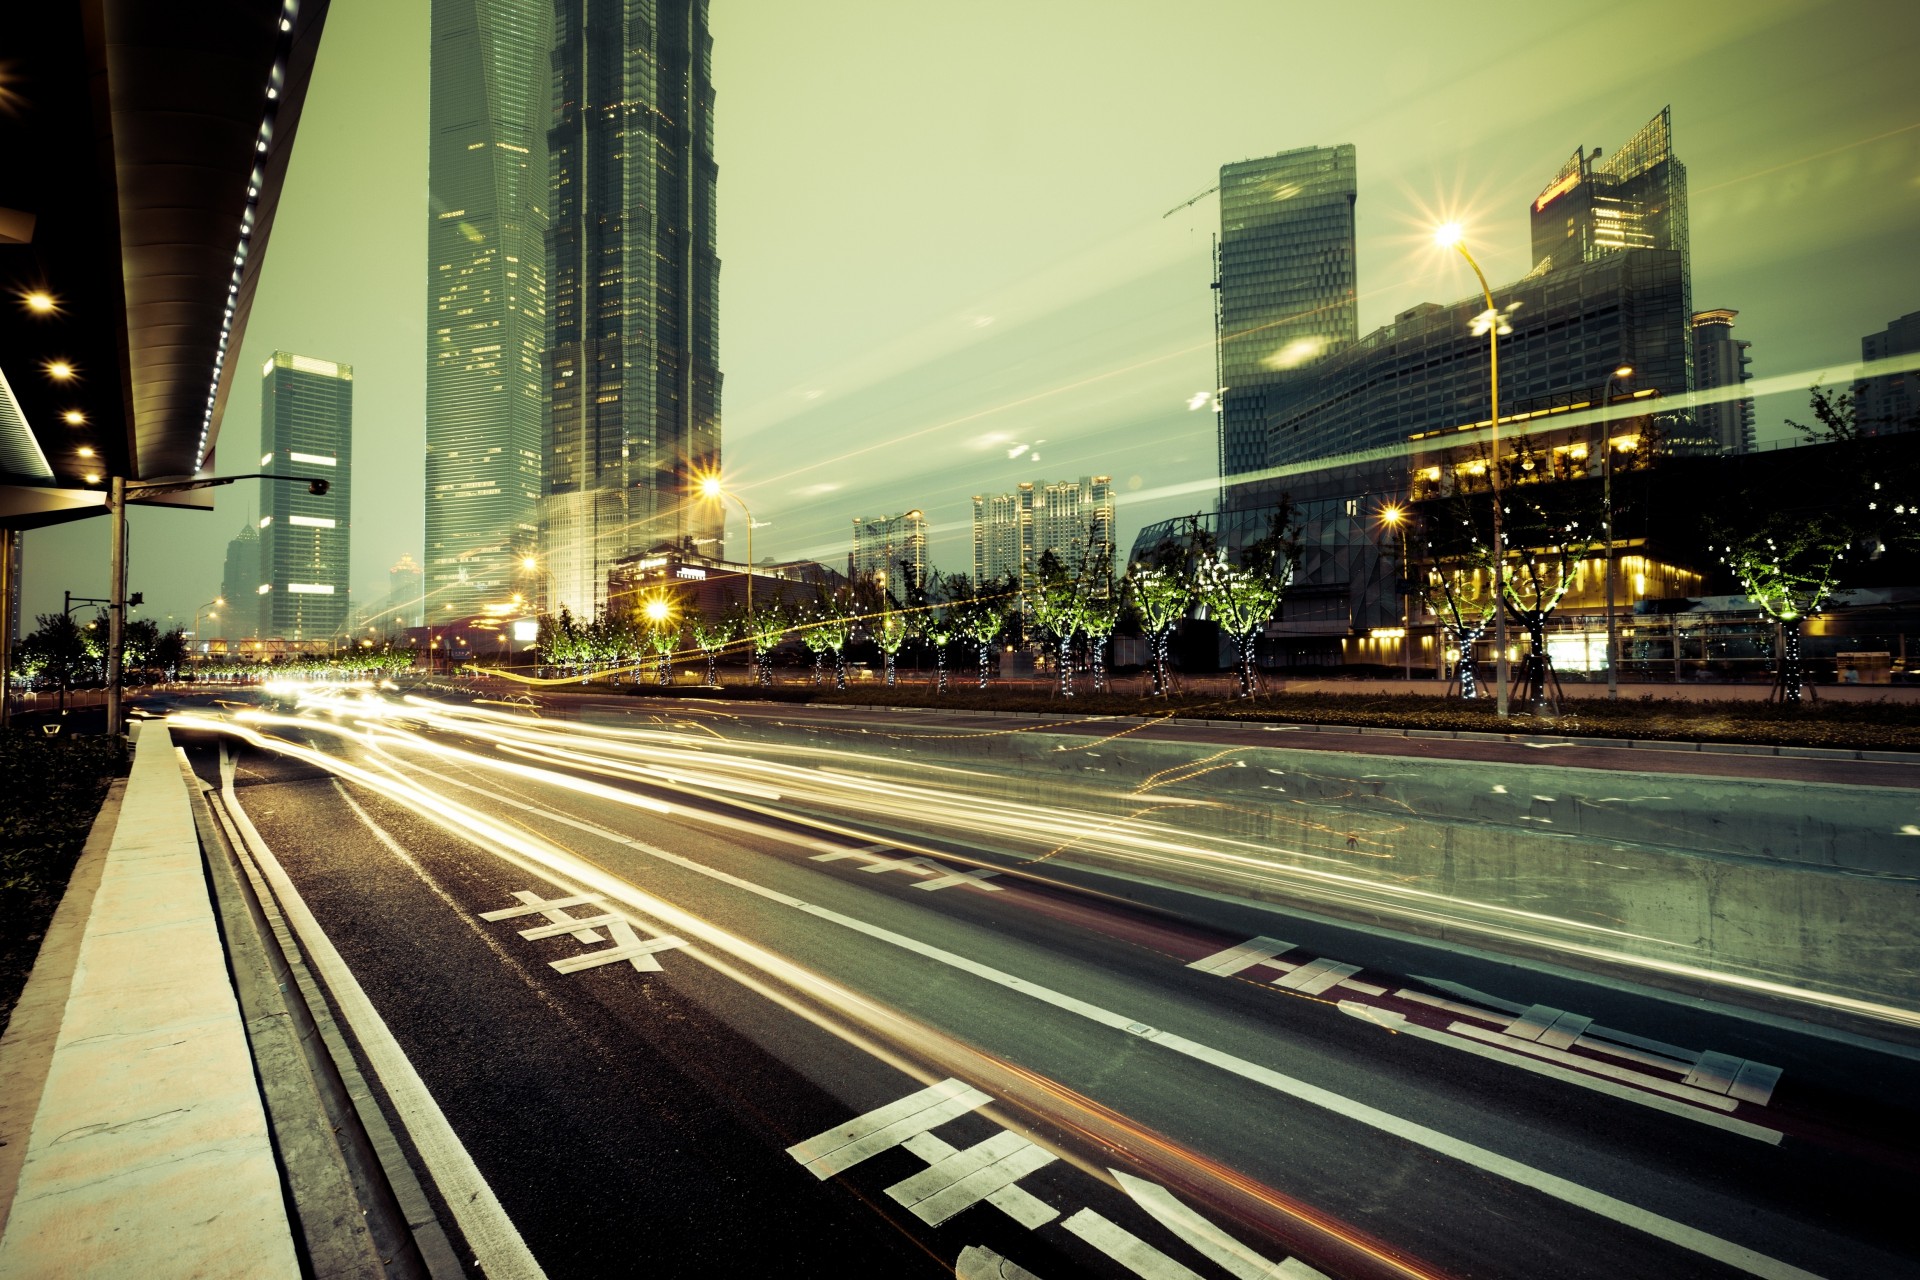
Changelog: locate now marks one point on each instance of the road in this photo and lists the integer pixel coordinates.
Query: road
(1081, 1073)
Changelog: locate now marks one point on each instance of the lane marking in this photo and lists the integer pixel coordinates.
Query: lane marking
(1016, 1202)
(1316, 976)
(1216, 1245)
(965, 1178)
(490, 1233)
(843, 1146)
(945, 877)
(532, 904)
(1243, 956)
(1724, 1073)
(1699, 1097)
(1565, 1190)
(1127, 1249)
(977, 1262)
(628, 946)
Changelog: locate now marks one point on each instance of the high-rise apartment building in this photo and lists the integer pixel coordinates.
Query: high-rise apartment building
(633, 375)
(490, 99)
(306, 428)
(1890, 402)
(1286, 284)
(1721, 360)
(1011, 531)
(892, 550)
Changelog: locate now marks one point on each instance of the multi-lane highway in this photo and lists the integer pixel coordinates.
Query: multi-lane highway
(729, 990)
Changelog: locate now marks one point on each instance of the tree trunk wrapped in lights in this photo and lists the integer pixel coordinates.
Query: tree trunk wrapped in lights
(1160, 593)
(712, 635)
(1057, 606)
(1243, 594)
(764, 628)
(979, 610)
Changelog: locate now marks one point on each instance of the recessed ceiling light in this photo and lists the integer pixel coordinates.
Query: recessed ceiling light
(60, 370)
(40, 302)
(85, 452)
(92, 477)
(73, 417)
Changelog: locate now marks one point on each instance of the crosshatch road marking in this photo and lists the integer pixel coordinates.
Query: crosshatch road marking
(945, 877)
(627, 945)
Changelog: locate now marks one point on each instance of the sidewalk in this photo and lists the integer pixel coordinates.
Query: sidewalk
(147, 1152)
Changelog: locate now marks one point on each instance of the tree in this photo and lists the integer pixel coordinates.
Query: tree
(1787, 539)
(56, 651)
(1244, 592)
(936, 622)
(764, 628)
(713, 634)
(660, 615)
(828, 627)
(1551, 529)
(979, 612)
(1160, 590)
(1057, 603)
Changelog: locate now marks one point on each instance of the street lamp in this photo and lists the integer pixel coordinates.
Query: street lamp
(1394, 516)
(710, 487)
(1621, 374)
(1493, 324)
(211, 609)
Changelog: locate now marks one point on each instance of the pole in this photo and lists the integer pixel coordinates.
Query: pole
(9, 539)
(116, 603)
(1606, 484)
(1406, 611)
(1502, 668)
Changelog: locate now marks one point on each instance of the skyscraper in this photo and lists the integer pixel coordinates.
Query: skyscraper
(240, 586)
(1890, 402)
(892, 550)
(306, 428)
(1286, 282)
(633, 290)
(486, 294)
(1721, 360)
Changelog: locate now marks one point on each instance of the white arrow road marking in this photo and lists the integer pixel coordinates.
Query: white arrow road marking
(1125, 1248)
(1218, 1247)
(977, 1262)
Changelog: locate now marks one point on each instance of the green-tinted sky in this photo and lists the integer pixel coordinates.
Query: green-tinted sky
(942, 237)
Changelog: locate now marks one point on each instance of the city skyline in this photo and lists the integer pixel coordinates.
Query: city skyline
(1061, 307)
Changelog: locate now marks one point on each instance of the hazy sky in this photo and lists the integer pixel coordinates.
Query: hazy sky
(941, 230)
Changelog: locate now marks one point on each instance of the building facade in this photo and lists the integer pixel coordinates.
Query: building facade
(633, 377)
(892, 551)
(306, 546)
(1011, 531)
(1890, 402)
(490, 97)
(1287, 281)
(1721, 360)
(240, 586)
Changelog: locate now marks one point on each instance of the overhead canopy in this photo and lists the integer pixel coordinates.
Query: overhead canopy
(142, 150)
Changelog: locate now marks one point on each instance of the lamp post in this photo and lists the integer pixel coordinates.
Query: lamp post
(710, 488)
(1621, 374)
(1493, 325)
(211, 609)
(1395, 517)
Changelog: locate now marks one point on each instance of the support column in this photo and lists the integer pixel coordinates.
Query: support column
(117, 603)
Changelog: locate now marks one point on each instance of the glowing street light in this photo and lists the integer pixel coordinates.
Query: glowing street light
(1394, 516)
(713, 490)
(1491, 322)
(657, 611)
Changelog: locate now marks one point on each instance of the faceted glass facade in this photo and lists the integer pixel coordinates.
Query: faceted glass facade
(306, 545)
(486, 296)
(633, 274)
(1287, 281)
(892, 550)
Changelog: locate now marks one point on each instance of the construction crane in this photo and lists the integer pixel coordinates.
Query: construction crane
(1188, 204)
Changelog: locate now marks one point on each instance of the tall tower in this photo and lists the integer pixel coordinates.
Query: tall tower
(486, 296)
(306, 428)
(1721, 360)
(633, 274)
(1287, 284)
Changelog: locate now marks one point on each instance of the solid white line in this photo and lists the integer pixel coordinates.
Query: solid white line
(1699, 1097)
(1241, 956)
(1524, 1175)
(495, 1241)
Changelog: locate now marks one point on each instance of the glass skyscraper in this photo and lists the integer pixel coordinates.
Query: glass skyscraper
(1721, 360)
(306, 543)
(486, 296)
(633, 274)
(1286, 282)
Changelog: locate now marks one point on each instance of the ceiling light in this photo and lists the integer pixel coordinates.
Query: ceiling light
(92, 477)
(73, 417)
(40, 302)
(85, 451)
(59, 370)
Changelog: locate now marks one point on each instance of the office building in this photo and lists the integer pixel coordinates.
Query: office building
(306, 429)
(633, 291)
(1287, 280)
(892, 551)
(1721, 360)
(1635, 199)
(1071, 518)
(489, 101)
(1890, 402)
(240, 581)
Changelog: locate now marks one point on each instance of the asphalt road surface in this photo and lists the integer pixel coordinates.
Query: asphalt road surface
(761, 1024)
